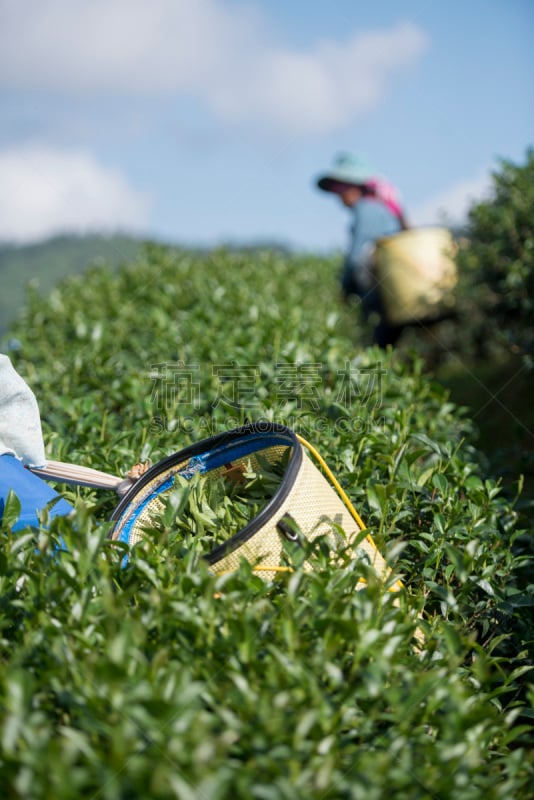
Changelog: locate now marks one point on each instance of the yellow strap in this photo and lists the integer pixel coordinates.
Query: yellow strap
(398, 584)
(265, 568)
(334, 480)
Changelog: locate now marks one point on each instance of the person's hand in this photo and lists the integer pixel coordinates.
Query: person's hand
(20, 422)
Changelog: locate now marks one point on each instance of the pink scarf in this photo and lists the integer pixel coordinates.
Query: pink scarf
(387, 193)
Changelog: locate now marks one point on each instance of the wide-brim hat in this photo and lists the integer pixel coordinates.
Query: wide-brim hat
(348, 169)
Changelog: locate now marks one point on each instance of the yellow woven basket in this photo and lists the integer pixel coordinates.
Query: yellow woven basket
(416, 274)
(303, 504)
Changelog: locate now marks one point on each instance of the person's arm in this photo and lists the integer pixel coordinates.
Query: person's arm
(21, 446)
(20, 421)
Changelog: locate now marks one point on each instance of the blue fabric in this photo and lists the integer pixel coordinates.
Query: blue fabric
(371, 220)
(34, 494)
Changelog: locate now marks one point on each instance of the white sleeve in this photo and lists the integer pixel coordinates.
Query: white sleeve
(20, 421)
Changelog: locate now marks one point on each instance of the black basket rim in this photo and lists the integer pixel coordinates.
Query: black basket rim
(230, 437)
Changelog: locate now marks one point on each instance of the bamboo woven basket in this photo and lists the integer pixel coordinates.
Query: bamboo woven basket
(416, 274)
(304, 501)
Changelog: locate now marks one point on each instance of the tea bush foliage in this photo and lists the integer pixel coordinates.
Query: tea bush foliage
(498, 259)
(158, 679)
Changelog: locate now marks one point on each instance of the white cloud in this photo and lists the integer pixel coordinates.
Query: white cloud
(451, 205)
(323, 89)
(224, 55)
(45, 191)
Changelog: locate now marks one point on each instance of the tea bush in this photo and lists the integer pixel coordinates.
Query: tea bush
(157, 679)
(498, 259)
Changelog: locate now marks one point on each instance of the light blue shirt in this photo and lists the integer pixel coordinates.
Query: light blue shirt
(371, 220)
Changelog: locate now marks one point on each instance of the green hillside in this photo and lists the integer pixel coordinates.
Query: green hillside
(44, 263)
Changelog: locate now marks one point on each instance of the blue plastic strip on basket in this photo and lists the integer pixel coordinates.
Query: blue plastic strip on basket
(205, 463)
(125, 533)
(222, 455)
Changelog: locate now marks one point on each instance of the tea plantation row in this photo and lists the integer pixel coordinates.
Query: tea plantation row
(159, 680)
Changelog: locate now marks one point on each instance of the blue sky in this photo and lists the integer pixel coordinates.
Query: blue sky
(207, 121)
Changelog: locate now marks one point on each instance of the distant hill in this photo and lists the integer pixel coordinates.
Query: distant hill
(45, 263)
